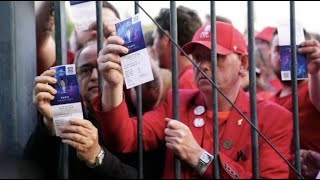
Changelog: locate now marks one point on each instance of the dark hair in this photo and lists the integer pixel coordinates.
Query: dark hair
(188, 22)
(106, 4)
(219, 18)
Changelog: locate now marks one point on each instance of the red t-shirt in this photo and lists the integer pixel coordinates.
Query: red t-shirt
(309, 117)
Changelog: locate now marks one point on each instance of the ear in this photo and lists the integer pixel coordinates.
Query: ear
(244, 65)
(165, 39)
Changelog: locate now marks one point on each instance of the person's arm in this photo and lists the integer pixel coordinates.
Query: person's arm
(119, 131)
(45, 43)
(82, 135)
(112, 167)
(312, 50)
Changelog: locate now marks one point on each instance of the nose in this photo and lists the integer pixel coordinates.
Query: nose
(94, 74)
(203, 65)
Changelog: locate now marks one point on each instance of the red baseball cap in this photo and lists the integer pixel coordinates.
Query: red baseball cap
(229, 40)
(266, 34)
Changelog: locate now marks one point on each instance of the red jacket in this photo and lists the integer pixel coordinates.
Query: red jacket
(185, 79)
(309, 117)
(120, 134)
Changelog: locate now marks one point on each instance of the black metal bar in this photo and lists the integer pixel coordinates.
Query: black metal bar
(139, 113)
(226, 98)
(60, 32)
(253, 99)
(61, 58)
(214, 92)
(100, 35)
(174, 60)
(294, 88)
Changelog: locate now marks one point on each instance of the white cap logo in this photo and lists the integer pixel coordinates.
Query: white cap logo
(206, 32)
(235, 47)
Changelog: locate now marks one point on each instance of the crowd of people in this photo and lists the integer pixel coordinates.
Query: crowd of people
(104, 143)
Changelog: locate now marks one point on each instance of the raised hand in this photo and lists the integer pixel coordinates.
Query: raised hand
(43, 93)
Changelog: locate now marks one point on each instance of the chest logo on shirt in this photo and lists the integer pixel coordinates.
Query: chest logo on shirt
(227, 144)
(199, 110)
(198, 122)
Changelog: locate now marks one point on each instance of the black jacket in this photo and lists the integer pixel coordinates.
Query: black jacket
(41, 156)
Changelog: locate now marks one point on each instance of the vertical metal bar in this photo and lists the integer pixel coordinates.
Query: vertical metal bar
(61, 58)
(214, 91)
(60, 32)
(252, 86)
(100, 36)
(174, 60)
(294, 88)
(139, 112)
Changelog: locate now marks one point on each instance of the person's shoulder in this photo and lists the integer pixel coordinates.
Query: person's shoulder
(268, 104)
(270, 108)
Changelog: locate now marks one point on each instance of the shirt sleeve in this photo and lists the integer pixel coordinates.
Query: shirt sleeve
(119, 131)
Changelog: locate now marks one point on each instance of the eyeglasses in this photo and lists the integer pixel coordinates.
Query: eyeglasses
(86, 70)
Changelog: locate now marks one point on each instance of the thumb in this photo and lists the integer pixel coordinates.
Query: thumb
(168, 119)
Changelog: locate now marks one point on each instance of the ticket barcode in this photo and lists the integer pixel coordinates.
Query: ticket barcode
(285, 75)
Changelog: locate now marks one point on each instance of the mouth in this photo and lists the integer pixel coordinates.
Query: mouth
(93, 88)
(202, 78)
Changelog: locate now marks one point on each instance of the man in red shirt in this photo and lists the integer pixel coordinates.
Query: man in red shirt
(191, 138)
(308, 93)
(263, 41)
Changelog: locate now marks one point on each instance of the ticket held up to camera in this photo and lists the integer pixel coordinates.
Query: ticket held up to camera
(83, 14)
(136, 65)
(66, 103)
(285, 52)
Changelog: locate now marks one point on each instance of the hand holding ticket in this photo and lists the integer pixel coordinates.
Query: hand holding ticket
(135, 65)
(285, 52)
(67, 103)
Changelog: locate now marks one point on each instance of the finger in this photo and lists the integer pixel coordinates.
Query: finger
(314, 55)
(174, 124)
(81, 122)
(75, 130)
(75, 145)
(314, 154)
(45, 80)
(104, 67)
(50, 72)
(74, 137)
(308, 49)
(170, 146)
(43, 96)
(40, 87)
(173, 133)
(173, 140)
(109, 57)
(311, 42)
(113, 48)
